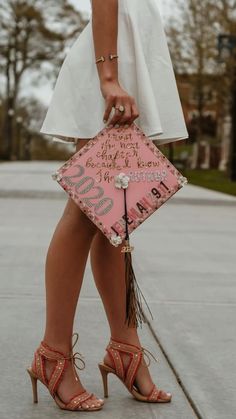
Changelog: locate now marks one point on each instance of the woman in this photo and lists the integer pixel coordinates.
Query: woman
(118, 71)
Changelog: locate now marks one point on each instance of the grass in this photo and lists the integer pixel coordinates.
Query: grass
(211, 179)
(208, 178)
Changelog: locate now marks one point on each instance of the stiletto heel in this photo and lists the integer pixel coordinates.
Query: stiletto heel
(104, 373)
(61, 361)
(34, 380)
(128, 374)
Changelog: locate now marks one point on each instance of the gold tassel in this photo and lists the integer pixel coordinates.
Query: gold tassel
(134, 311)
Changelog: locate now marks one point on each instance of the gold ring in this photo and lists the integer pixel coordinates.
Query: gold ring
(121, 108)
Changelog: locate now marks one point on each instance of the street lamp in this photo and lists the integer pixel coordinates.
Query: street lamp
(227, 49)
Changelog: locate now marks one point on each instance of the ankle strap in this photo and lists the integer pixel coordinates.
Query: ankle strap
(122, 346)
(53, 354)
(130, 349)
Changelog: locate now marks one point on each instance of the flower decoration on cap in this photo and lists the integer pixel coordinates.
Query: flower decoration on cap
(115, 240)
(182, 181)
(122, 181)
(56, 176)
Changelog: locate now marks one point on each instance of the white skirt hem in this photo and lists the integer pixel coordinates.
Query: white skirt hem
(73, 139)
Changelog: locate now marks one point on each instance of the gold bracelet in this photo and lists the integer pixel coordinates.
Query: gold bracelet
(102, 58)
(112, 56)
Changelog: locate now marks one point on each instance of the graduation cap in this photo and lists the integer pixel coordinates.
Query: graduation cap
(118, 179)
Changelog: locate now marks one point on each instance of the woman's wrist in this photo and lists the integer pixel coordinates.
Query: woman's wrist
(108, 78)
(108, 71)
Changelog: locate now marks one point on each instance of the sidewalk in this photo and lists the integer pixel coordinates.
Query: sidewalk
(184, 260)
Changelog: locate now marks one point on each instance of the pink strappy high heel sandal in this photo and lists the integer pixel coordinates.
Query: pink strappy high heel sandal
(127, 375)
(37, 372)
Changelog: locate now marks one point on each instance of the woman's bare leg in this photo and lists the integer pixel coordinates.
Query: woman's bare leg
(65, 264)
(109, 277)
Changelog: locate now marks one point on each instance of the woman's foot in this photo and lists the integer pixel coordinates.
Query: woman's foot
(143, 380)
(70, 384)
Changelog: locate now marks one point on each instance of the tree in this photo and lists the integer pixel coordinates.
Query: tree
(33, 37)
(192, 36)
(225, 11)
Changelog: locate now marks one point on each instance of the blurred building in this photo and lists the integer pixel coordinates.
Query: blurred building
(208, 152)
(190, 101)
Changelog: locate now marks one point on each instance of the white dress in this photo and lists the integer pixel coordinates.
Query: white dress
(145, 71)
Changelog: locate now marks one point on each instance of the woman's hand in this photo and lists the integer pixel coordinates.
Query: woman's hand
(115, 96)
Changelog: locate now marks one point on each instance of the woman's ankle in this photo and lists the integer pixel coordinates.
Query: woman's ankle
(57, 345)
(126, 335)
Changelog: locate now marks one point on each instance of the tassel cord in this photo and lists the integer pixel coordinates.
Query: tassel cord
(134, 311)
(126, 217)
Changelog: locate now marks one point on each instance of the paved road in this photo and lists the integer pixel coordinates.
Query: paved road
(185, 263)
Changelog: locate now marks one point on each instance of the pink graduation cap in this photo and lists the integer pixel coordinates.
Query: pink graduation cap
(118, 179)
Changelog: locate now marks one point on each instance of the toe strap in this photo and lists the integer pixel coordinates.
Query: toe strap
(157, 394)
(77, 400)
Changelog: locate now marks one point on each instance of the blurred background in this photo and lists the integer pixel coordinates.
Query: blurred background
(35, 36)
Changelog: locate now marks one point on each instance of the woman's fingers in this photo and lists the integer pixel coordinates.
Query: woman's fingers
(116, 117)
(123, 117)
(110, 100)
(126, 115)
(135, 113)
(120, 118)
(129, 115)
